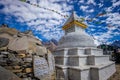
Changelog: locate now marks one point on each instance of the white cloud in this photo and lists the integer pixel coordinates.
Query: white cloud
(104, 37)
(48, 23)
(36, 18)
(97, 42)
(91, 2)
(113, 19)
(92, 29)
(116, 3)
(84, 8)
(81, 1)
(108, 9)
(113, 0)
(38, 38)
(90, 11)
(100, 5)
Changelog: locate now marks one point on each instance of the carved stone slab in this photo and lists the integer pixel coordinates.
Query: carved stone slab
(40, 67)
(51, 62)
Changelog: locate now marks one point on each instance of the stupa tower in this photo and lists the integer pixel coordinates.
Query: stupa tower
(75, 35)
(77, 57)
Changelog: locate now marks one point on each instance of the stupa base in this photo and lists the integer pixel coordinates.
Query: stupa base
(96, 72)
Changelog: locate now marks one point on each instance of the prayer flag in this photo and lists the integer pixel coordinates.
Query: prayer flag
(23, 0)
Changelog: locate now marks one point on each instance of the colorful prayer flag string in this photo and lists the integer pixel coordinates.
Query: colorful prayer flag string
(93, 20)
(65, 16)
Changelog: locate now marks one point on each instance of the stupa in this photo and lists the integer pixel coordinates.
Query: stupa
(77, 57)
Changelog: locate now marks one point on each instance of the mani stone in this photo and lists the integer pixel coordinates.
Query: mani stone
(40, 68)
(77, 57)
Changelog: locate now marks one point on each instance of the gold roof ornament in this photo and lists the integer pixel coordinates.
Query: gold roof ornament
(73, 20)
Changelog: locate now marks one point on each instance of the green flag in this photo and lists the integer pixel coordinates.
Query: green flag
(82, 19)
(98, 22)
(23, 0)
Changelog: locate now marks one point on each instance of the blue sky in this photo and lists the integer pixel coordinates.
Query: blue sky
(101, 16)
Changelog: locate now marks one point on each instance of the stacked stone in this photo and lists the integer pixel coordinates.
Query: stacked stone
(25, 56)
(21, 64)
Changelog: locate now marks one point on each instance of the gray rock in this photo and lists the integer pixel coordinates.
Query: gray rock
(3, 42)
(7, 75)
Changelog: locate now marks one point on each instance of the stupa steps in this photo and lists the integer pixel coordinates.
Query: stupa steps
(96, 60)
(75, 60)
(79, 51)
(87, 72)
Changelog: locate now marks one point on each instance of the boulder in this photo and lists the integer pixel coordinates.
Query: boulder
(7, 75)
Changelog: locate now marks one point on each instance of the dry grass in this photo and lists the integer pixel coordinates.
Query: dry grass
(116, 75)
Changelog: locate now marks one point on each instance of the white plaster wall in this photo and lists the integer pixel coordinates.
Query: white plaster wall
(101, 60)
(90, 60)
(71, 29)
(79, 29)
(81, 52)
(106, 72)
(97, 60)
(60, 74)
(94, 51)
(77, 60)
(102, 73)
(65, 61)
(85, 75)
(94, 74)
(73, 61)
(74, 74)
(76, 39)
(78, 74)
(65, 70)
(61, 52)
(72, 51)
(76, 51)
(97, 51)
(59, 60)
(82, 61)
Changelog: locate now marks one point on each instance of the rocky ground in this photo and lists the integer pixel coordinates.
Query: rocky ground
(116, 76)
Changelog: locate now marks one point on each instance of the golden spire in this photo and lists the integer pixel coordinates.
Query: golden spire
(73, 20)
